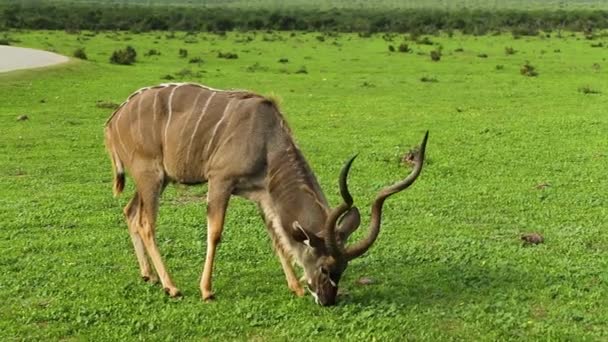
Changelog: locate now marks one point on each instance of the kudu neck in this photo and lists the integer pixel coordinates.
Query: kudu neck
(294, 189)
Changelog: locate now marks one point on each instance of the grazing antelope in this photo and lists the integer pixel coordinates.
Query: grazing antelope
(239, 143)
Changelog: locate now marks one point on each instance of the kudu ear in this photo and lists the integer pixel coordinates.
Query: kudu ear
(303, 236)
(348, 223)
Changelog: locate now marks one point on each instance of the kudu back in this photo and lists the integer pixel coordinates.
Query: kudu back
(239, 144)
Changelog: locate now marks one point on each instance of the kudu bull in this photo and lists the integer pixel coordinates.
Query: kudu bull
(239, 143)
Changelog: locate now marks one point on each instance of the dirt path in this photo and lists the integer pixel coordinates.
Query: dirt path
(16, 58)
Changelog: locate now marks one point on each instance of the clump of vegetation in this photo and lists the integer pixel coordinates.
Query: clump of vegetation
(124, 56)
(499, 66)
(482, 55)
(587, 90)
(366, 84)
(510, 50)
(528, 70)
(424, 41)
(195, 60)
(283, 60)
(255, 67)
(227, 55)
(183, 53)
(4, 41)
(428, 79)
(459, 49)
(597, 45)
(79, 53)
(302, 70)
(187, 73)
(403, 47)
(435, 55)
(391, 48)
(106, 104)
(152, 52)
(168, 77)
(320, 38)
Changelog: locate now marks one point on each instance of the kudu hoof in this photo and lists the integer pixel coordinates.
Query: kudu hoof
(208, 297)
(173, 292)
(150, 279)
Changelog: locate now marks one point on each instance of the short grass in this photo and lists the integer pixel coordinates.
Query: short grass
(508, 154)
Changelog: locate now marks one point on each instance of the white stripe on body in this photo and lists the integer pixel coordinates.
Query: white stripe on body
(217, 125)
(170, 113)
(198, 122)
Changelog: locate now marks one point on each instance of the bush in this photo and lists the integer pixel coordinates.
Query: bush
(79, 53)
(391, 48)
(528, 70)
(435, 55)
(183, 53)
(152, 52)
(588, 90)
(428, 79)
(404, 48)
(124, 57)
(227, 55)
(4, 41)
(510, 51)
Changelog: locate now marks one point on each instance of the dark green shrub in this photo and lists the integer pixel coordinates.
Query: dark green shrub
(227, 55)
(435, 55)
(124, 57)
(79, 53)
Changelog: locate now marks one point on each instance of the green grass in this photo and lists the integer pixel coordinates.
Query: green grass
(275, 4)
(448, 263)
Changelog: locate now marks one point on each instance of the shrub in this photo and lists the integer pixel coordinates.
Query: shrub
(510, 51)
(227, 55)
(320, 38)
(79, 53)
(255, 67)
(404, 48)
(588, 90)
(528, 70)
(435, 55)
(183, 53)
(424, 41)
(391, 48)
(429, 79)
(124, 57)
(152, 52)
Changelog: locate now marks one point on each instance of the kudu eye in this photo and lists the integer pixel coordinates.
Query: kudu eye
(325, 271)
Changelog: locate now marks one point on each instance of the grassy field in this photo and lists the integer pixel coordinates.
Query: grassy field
(508, 154)
(325, 4)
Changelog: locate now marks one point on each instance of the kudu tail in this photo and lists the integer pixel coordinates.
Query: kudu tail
(117, 166)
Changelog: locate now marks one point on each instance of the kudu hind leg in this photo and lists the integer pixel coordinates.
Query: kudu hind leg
(150, 186)
(131, 212)
(218, 195)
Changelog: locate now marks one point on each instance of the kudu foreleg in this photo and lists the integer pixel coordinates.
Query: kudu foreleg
(292, 280)
(218, 195)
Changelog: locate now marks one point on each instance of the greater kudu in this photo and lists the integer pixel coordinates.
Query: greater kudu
(239, 143)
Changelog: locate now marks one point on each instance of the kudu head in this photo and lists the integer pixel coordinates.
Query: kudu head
(327, 255)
